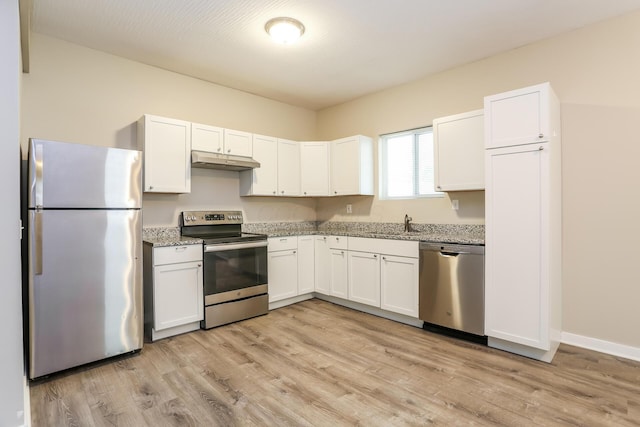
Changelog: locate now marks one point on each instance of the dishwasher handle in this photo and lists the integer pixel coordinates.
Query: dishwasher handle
(452, 254)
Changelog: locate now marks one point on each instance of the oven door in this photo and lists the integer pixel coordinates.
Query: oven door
(231, 267)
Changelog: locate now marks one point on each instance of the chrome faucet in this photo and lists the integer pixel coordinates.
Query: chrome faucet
(407, 223)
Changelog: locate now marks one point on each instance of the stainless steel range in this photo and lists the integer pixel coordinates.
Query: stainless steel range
(235, 266)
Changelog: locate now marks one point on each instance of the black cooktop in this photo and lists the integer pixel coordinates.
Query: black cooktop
(224, 237)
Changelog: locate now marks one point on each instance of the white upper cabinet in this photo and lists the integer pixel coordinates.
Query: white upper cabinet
(352, 166)
(314, 168)
(459, 151)
(238, 143)
(262, 181)
(279, 171)
(519, 117)
(207, 138)
(288, 168)
(167, 154)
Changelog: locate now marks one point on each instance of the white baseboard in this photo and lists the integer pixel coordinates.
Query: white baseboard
(602, 346)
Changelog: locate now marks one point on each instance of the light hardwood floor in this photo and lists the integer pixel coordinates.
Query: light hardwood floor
(319, 364)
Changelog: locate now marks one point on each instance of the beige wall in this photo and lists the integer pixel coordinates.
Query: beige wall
(596, 73)
(81, 95)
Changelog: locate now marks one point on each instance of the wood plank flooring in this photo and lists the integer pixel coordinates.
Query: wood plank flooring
(319, 364)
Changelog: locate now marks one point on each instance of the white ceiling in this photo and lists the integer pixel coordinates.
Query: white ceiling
(350, 47)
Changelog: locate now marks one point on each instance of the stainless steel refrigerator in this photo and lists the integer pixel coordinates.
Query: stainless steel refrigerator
(84, 254)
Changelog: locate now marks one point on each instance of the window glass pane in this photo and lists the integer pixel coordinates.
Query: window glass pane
(400, 166)
(425, 163)
(407, 164)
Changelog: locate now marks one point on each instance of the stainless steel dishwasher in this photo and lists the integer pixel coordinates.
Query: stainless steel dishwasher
(452, 288)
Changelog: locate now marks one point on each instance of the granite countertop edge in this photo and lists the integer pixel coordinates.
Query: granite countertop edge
(412, 236)
(170, 236)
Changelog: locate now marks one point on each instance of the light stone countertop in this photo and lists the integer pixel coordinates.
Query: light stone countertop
(166, 236)
(445, 233)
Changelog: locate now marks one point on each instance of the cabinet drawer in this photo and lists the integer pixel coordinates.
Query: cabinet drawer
(404, 248)
(283, 243)
(338, 242)
(175, 254)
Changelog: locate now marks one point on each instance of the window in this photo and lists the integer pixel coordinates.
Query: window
(406, 160)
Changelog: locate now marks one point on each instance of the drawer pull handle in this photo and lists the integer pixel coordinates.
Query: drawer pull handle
(181, 248)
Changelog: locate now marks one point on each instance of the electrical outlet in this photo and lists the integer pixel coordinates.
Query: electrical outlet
(349, 208)
(455, 205)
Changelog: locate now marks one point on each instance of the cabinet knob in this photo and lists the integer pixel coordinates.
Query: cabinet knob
(294, 252)
(335, 192)
(384, 257)
(305, 192)
(282, 192)
(229, 150)
(342, 252)
(541, 148)
(375, 256)
(274, 192)
(438, 187)
(151, 187)
(199, 265)
(219, 149)
(540, 136)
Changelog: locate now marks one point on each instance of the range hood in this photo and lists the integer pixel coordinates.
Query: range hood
(204, 159)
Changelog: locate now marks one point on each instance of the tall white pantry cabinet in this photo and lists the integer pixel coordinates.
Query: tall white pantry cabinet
(523, 254)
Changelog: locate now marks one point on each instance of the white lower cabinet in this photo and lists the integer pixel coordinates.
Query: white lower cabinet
(384, 273)
(322, 260)
(173, 290)
(338, 273)
(379, 273)
(399, 284)
(283, 268)
(306, 264)
(364, 278)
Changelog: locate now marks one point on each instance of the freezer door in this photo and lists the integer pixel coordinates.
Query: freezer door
(85, 287)
(64, 175)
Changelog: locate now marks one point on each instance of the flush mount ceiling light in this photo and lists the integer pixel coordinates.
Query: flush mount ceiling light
(284, 30)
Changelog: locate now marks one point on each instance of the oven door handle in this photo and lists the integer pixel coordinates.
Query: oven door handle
(234, 246)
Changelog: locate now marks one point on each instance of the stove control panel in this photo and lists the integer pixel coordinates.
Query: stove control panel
(189, 218)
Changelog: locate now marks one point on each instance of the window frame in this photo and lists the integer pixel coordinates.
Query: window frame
(383, 167)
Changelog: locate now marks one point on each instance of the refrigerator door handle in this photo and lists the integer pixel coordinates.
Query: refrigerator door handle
(39, 175)
(37, 220)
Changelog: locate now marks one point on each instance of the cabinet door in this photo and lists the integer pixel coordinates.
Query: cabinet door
(339, 277)
(517, 273)
(399, 285)
(517, 117)
(178, 294)
(345, 167)
(306, 260)
(314, 168)
(262, 181)
(283, 275)
(207, 138)
(288, 168)
(322, 263)
(167, 154)
(238, 143)
(459, 152)
(364, 278)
